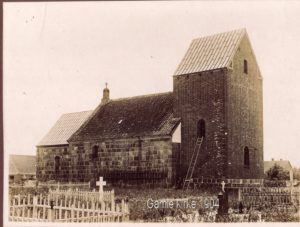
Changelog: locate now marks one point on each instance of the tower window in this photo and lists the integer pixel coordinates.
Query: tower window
(246, 157)
(95, 152)
(245, 66)
(201, 128)
(56, 164)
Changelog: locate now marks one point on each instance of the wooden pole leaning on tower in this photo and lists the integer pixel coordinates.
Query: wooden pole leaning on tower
(189, 175)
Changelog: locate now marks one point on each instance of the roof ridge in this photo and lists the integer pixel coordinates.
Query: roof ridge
(76, 112)
(142, 96)
(28, 155)
(221, 33)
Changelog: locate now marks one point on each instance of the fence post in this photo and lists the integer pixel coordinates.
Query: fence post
(34, 212)
(72, 212)
(113, 201)
(60, 210)
(11, 205)
(123, 210)
(23, 209)
(51, 211)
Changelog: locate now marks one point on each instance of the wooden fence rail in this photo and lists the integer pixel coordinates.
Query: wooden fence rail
(60, 185)
(82, 195)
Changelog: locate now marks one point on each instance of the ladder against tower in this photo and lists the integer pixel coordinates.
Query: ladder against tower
(193, 162)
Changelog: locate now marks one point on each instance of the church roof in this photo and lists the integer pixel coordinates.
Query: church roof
(210, 52)
(149, 115)
(22, 164)
(66, 125)
(285, 164)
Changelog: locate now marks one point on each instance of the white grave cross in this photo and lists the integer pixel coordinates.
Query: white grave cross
(101, 183)
(223, 186)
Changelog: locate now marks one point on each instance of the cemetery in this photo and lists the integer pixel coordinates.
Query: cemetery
(79, 202)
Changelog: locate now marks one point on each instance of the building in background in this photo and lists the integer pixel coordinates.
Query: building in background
(22, 168)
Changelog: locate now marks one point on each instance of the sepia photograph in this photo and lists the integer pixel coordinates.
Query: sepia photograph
(151, 112)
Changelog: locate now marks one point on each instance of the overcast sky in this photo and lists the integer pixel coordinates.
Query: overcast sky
(58, 56)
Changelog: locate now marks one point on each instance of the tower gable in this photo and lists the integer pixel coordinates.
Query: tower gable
(210, 52)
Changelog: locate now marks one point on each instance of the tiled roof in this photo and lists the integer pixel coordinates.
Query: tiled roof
(22, 164)
(210, 52)
(66, 125)
(148, 115)
(285, 164)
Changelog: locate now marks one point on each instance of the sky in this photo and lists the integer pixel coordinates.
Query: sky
(58, 56)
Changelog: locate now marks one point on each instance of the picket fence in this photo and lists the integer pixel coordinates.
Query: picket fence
(68, 206)
(79, 194)
(59, 185)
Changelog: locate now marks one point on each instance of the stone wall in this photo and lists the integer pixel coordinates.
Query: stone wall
(201, 96)
(123, 159)
(46, 163)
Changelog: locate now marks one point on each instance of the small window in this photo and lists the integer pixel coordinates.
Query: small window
(246, 157)
(57, 164)
(95, 152)
(201, 128)
(245, 66)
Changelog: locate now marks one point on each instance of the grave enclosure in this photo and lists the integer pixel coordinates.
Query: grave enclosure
(69, 206)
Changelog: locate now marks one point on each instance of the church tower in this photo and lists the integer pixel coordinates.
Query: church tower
(218, 96)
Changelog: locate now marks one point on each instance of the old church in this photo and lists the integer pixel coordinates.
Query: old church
(217, 96)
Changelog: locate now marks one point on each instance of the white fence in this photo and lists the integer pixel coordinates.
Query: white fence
(93, 196)
(68, 206)
(60, 185)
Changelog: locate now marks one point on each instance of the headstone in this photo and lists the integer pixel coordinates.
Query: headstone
(223, 203)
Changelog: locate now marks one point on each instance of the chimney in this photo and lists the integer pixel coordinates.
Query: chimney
(105, 97)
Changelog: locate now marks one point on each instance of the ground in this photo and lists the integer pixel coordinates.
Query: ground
(205, 200)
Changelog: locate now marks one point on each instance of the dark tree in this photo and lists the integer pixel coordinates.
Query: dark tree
(277, 173)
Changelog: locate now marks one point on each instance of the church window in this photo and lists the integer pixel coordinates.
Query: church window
(95, 152)
(246, 157)
(201, 128)
(245, 66)
(57, 164)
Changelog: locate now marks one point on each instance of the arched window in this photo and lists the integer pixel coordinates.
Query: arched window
(95, 152)
(245, 66)
(246, 157)
(201, 128)
(56, 164)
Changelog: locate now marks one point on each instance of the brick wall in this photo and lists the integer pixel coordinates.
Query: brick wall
(230, 102)
(201, 96)
(244, 115)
